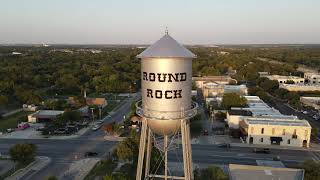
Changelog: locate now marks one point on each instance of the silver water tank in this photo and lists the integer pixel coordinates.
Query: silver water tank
(166, 83)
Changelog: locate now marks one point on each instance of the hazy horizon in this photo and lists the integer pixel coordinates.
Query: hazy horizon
(190, 22)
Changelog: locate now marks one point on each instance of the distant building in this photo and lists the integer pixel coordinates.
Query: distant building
(258, 107)
(312, 78)
(44, 116)
(235, 116)
(286, 79)
(263, 74)
(311, 101)
(30, 107)
(16, 53)
(248, 172)
(200, 81)
(284, 131)
(101, 102)
(300, 87)
(214, 89)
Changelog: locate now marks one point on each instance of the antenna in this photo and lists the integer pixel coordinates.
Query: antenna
(166, 32)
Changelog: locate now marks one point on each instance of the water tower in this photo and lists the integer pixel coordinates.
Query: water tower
(166, 106)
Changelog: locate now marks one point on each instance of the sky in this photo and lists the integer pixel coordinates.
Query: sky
(144, 21)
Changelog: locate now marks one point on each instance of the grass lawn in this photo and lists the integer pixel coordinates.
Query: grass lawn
(13, 120)
(101, 169)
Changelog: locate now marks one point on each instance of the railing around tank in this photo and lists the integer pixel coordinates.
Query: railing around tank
(166, 115)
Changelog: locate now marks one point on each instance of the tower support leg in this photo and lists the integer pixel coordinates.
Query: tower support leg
(148, 157)
(141, 148)
(165, 146)
(186, 148)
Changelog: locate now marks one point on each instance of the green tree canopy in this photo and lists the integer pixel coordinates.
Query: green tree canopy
(23, 153)
(211, 173)
(233, 100)
(311, 170)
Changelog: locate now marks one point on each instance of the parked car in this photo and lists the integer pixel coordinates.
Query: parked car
(276, 158)
(60, 131)
(23, 126)
(262, 150)
(10, 130)
(96, 127)
(205, 132)
(90, 154)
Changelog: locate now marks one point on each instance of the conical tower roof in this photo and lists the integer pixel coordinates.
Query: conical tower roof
(166, 47)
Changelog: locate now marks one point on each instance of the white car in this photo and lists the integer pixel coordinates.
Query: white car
(96, 127)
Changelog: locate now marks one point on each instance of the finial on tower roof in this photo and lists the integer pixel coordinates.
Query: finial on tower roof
(166, 32)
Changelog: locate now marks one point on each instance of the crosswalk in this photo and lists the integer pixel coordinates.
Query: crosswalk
(315, 156)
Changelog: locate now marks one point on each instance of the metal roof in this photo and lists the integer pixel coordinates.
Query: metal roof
(166, 47)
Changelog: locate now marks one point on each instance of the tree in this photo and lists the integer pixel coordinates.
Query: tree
(23, 153)
(233, 100)
(211, 173)
(311, 170)
(69, 116)
(128, 149)
(3, 100)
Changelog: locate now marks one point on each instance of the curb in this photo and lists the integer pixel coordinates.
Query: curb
(41, 161)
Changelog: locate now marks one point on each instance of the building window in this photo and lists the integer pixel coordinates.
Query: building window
(252, 130)
(283, 132)
(261, 140)
(262, 130)
(306, 132)
(273, 131)
(294, 135)
(288, 141)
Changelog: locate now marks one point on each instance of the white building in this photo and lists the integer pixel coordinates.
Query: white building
(300, 87)
(311, 101)
(286, 79)
(200, 81)
(214, 89)
(312, 78)
(285, 131)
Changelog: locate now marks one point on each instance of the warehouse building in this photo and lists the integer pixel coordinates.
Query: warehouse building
(284, 131)
(286, 79)
(312, 78)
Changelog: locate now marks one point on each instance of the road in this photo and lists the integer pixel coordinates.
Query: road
(212, 154)
(64, 152)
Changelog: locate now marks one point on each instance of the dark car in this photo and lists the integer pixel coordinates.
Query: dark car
(205, 132)
(90, 154)
(262, 150)
(224, 145)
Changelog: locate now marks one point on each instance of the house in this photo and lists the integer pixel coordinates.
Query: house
(44, 116)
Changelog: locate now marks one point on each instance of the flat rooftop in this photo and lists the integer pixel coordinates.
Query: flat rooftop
(247, 172)
(48, 112)
(277, 121)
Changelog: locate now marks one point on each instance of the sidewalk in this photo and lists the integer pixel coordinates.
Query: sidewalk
(314, 147)
(39, 163)
(79, 169)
